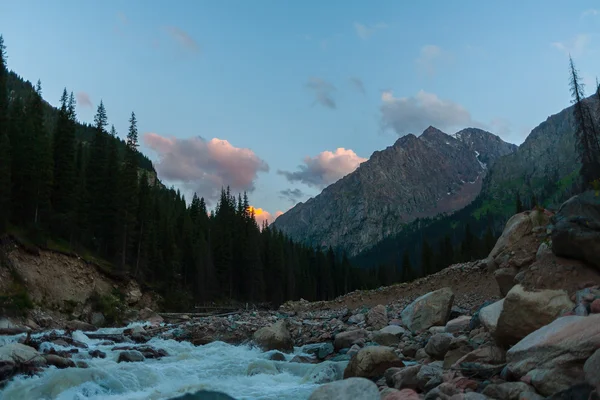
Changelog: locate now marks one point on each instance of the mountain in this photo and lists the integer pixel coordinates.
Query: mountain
(417, 177)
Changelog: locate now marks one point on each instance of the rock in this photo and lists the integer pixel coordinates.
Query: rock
(576, 232)
(431, 309)
(544, 250)
(591, 368)
(325, 373)
(133, 294)
(356, 319)
(146, 314)
(274, 337)
(372, 362)
(595, 307)
(469, 396)
(558, 349)
(421, 354)
(581, 391)
(58, 362)
(490, 354)
(352, 388)
(507, 391)
(581, 310)
(523, 312)
(204, 395)
(404, 394)
(385, 339)
(411, 350)
(394, 330)
(530, 396)
(346, 339)
(438, 345)
(453, 355)
(434, 330)
(490, 314)
(430, 376)
(505, 278)
(97, 354)
(403, 378)
(554, 380)
(76, 325)
(353, 350)
(97, 319)
(321, 350)
(20, 353)
(277, 356)
(377, 317)
(43, 320)
(459, 324)
(304, 359)
(130, 356)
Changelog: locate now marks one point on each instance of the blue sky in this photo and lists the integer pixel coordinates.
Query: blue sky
(242, 92)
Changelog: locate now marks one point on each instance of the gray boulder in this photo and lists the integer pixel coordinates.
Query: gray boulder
(274, 337)
(352, 388)
(431, 309)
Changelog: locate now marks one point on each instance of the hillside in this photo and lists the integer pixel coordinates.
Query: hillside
(417, 177)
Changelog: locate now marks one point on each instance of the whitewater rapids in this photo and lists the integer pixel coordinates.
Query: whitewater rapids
(239, 371)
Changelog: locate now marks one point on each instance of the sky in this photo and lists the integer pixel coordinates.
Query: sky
(282, 98)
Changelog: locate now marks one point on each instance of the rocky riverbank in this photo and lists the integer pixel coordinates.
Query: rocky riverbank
(527, 327)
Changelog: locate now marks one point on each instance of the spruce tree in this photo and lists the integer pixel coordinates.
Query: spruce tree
(407, 273)
(3, 89)
(5, 183)
(95, 178)
(426, 258)
(519, 204)
(128, 190)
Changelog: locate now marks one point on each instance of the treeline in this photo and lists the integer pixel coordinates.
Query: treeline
(90, 195)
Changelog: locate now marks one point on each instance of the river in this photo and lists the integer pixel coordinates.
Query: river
(242, 372)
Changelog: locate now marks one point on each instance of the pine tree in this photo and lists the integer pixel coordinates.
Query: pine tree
(110, 192)
(3, 89)
(407, 272)
(128, 191)
(95, 178)
(426, 258)
(585, 130)
(5, 183)
(519, 204)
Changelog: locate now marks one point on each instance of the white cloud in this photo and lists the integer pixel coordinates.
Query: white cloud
(575, 47)
(590, 13)
(365, 31)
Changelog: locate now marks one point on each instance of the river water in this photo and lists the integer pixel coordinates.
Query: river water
(240, 371)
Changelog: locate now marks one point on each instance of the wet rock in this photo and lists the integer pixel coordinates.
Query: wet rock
(385, 339)
(21, 354)
(325, 373)
(274, 337)
(97, 354)
(76, 325)
(204, 395)
(7, 369)
(130, 356)
(438, 345)
(59, 362)
(377, 317)
(321, 350)
(304, 359)
(277, 356)
(560, 348)
(348, 338)
(459, 324)
(352, 388)
(81, 364)
(523, 312)
(505, 278)
(431, 309)
(507, 391)
(430, 376)
(576, 232)
(147, 314)
(97, 319)
(403, 378)
(372, 362)
(591, 369)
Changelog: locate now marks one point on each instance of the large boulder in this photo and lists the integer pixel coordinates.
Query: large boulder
(431, 309)
(458, 324)
(576, 232)
(321, 350)
(347, 339)
(403, 378)
(489, 316)
(524, 312)
(133, 294)
(591, 368)
(18, 353)
(377, 317)
(353, 388)
(438, 345)
(372, 362)
(76, 325)
(558, 349)
(507, 390)
(274, 337)
(505, 278)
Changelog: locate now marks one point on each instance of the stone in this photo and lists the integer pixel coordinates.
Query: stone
(394, 330)
(385, 339)
(18, 353)
(438, 345)
(595, 307)
(558, 349)
(434, 330)
(576, 232)
(353, 350)
(204, 395)
(130, 356)
(274, 337)
(356, 319)
(581, 391)
(346, 339)
(147, 314)
(97, 319)
(453, 355)
(58, 361)
(554, 380)
(505, 278)
(321, 350)
(421, 354)
(76, 325)
(325, 373)
(581, 310)
(489, 315)
(133, 294)
(277, 356)
(544, 250)
(404, 394)
(411, 349)
(431, 309)
(403, 378)
(377, 317)
(591, 368)
(489, 354)
(352, 388)
(459, 324)
(372, 362)
(97, 354)
(523, 312)
(530, 396)
(506, 391)
(304, 359)
(430, 376)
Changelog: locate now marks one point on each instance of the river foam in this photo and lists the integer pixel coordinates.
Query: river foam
(242, 372)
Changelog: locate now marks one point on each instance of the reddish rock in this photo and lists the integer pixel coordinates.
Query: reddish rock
(404, 394)
(595, 306)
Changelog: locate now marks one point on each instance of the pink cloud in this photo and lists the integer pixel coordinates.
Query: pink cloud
(83, 99)
(325, 168)
(261, 215)
(183, 38)
(205, 166)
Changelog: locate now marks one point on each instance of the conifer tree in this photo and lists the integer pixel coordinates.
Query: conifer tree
(5, 182)
(407, 272)
(426, 258)
(3, 90)
(128, 190)
(519, 204)
(95, 177)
